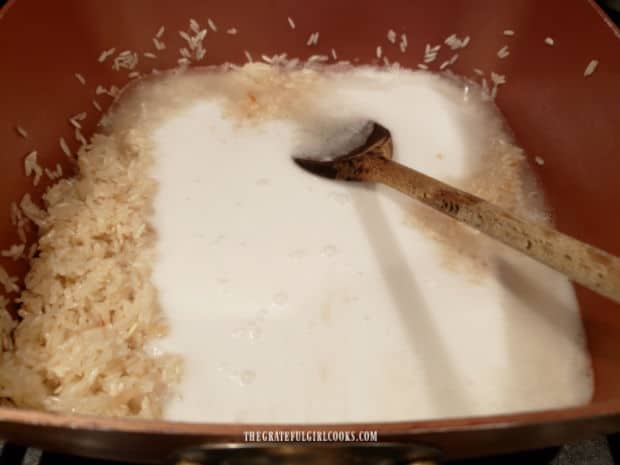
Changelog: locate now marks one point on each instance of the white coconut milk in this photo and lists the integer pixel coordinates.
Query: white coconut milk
(300, 299)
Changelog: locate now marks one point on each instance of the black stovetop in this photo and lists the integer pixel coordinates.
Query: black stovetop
(596, 451)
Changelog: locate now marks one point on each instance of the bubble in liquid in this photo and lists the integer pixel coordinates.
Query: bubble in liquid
(329, 250)
(219, 239)
(239, 332)
(280, 298)
(247, 377)
(297, 253)
(340, 197)
(254, 332)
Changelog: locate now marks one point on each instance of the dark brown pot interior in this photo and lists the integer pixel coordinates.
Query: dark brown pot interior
(571, 121)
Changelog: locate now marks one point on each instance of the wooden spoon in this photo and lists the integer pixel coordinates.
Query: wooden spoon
(372, 162)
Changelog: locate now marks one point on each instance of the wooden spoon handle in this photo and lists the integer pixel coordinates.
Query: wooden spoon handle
(582, 263)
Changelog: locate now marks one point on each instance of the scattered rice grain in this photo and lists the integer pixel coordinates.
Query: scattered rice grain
(32, 210)
(232, 31)
(55, 174)
(291, 22)
(80, 78)
(125, 60)
(193, 25)
(509, 32)
(31, 166)
(313, 39)
(212, 25)
(105, 54)
(14, 252)
(21, 131)
(8, 282)
(80, 137)
(318, 58)
(498, 79)
(391, 36)
(539, 161)
(590, 68)
(65, 147)
(19, 221)
(159, 45)
(549, 41)
(503, 52)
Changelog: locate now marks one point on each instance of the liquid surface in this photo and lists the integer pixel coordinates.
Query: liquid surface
(298, 299)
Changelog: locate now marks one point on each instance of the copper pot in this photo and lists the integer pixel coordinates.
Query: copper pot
(554, 111)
